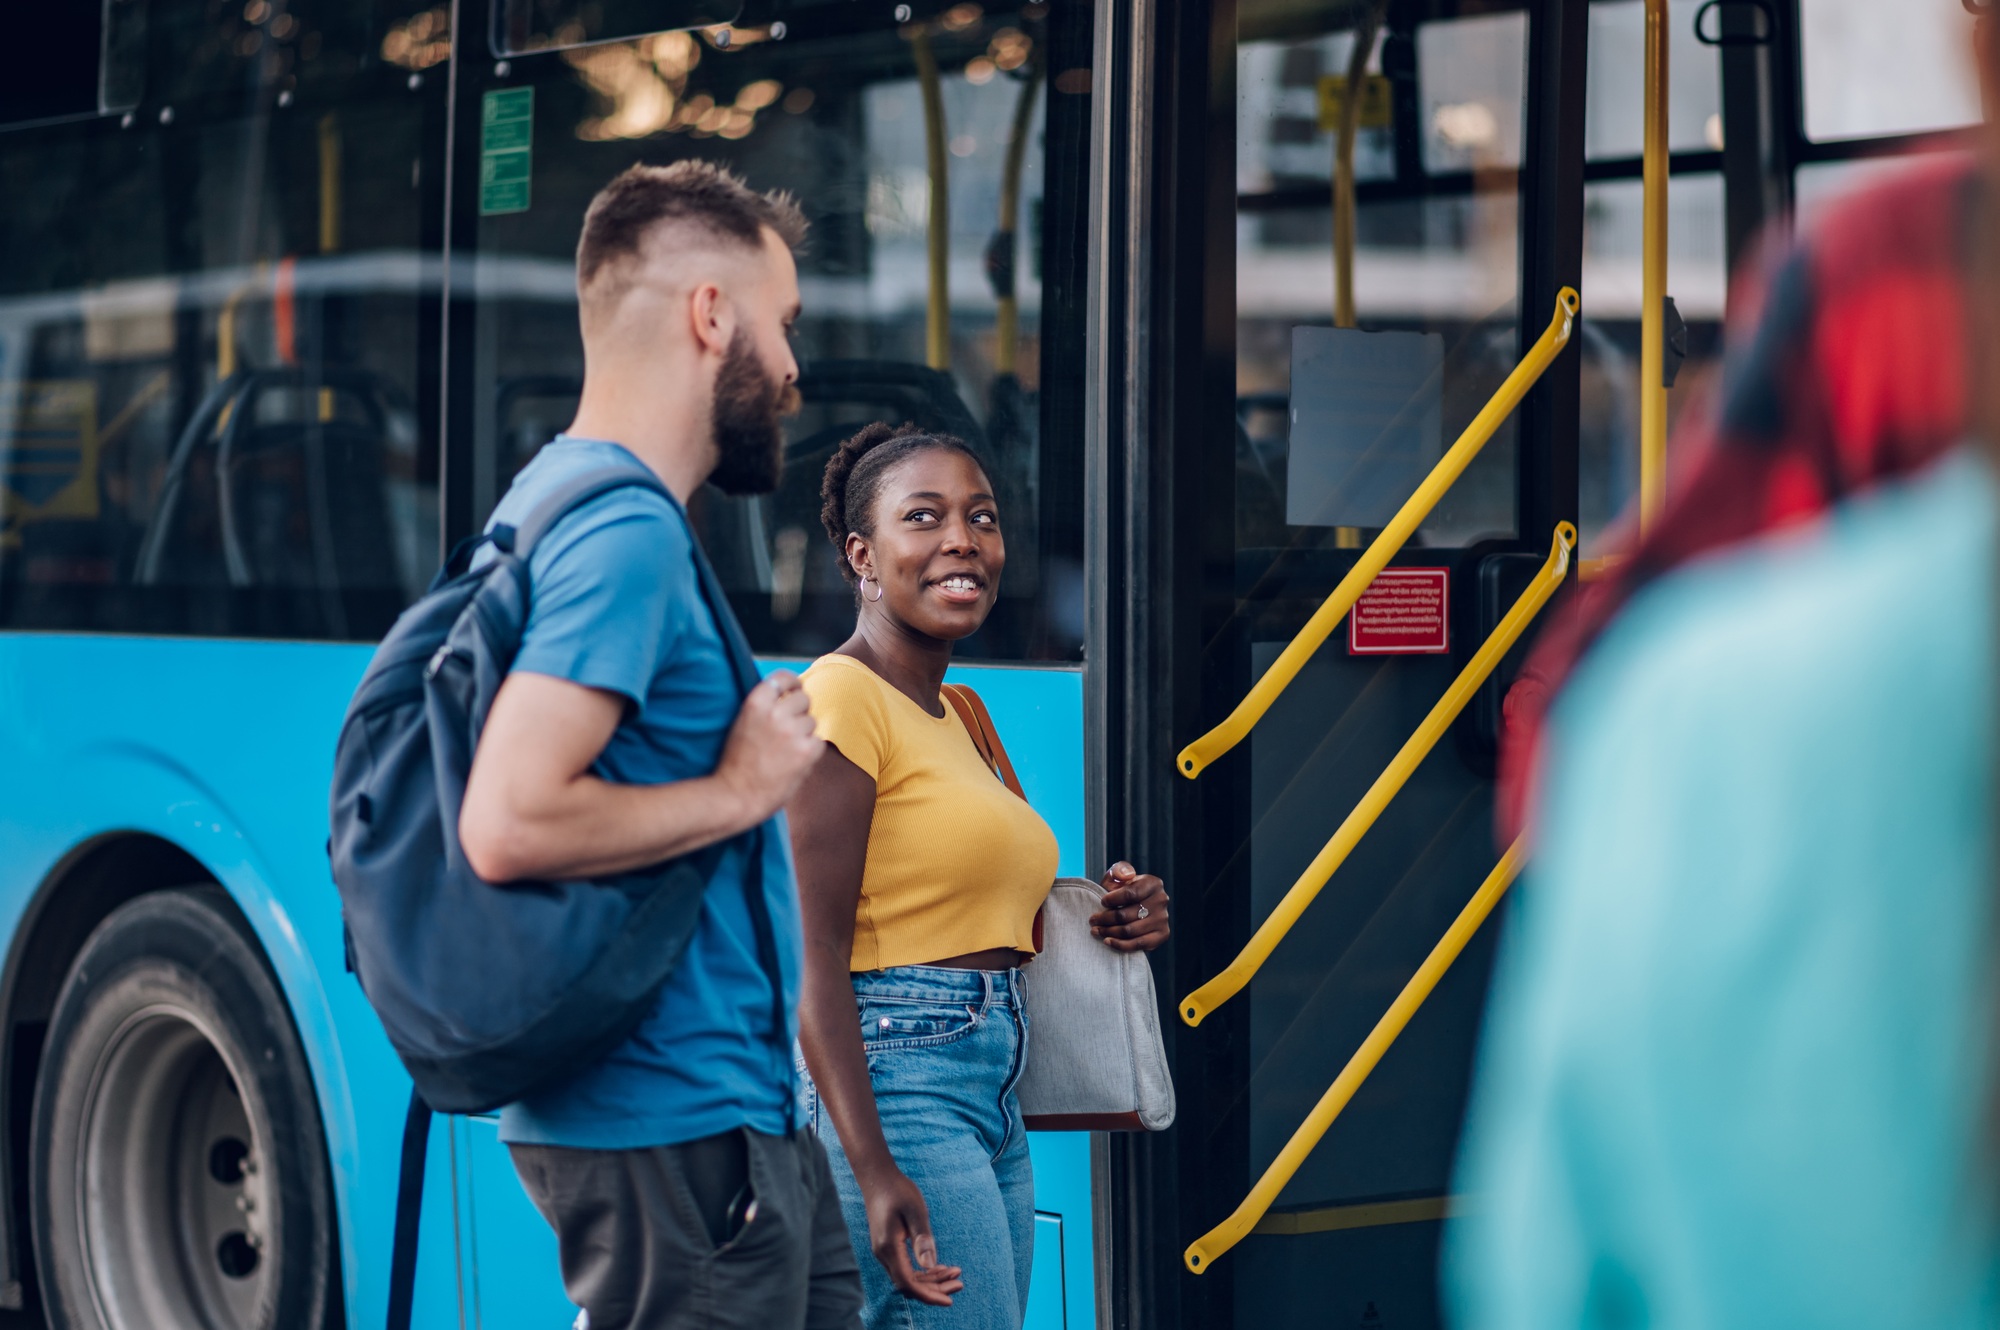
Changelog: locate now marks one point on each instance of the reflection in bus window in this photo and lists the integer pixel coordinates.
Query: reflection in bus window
(523, 26)
(211, 323)
(942, 165)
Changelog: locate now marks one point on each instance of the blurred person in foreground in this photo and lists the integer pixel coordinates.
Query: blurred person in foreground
(1844, 369)
(1738, 1065)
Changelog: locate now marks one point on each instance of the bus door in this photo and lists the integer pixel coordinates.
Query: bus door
(1397, 301)
(1395, 371)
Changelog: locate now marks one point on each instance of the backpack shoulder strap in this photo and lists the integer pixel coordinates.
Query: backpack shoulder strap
(567, 498)
(979, 724)
(409, 1208)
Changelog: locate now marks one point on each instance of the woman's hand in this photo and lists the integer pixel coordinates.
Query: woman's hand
(1134, 917)
(899, 1223)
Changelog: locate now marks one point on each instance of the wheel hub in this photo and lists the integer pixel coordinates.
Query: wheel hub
(174, 1207)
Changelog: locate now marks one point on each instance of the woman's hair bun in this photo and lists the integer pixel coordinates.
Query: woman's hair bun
(853, 478)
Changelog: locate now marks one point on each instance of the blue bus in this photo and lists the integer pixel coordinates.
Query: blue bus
(286, 298)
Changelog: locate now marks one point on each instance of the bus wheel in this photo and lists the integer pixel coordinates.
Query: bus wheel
(178, 1175)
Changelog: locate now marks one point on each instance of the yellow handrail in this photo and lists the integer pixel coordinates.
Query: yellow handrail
(1653, 293)
(1203, 1252)
(1230, 982)
(1402, 526)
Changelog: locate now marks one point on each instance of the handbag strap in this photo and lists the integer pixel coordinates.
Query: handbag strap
(979, 724)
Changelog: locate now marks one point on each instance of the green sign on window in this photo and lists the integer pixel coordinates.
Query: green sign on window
(506, 150)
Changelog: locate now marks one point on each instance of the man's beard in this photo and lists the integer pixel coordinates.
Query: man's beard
(749, 441)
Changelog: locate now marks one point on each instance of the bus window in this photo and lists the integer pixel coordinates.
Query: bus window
(1873, 69)
(1616, 121)
(1614, 227)
(832, 106)
(1608, 333)
(212, 322)
(1434, 255)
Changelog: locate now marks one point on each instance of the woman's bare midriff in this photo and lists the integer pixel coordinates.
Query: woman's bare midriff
(993, 958)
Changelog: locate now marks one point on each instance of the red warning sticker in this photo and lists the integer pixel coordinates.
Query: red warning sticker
(1404, 612)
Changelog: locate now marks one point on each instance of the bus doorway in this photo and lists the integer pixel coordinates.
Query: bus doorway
(1387, 200)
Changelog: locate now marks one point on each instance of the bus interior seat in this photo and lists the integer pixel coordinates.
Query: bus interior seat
(288, 502)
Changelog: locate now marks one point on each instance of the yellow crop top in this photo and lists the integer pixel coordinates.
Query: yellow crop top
(956, 862)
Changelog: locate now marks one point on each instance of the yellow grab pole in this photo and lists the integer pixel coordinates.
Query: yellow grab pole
(1203, 1252)
(937, 230)
(1007, 313)
(1231, 981)
(1343, 164)
(1652, 313)
(1402, 526)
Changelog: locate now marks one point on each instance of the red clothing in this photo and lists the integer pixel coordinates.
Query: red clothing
(1847, 365)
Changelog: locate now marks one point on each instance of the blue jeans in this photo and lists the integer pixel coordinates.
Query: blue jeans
(945, 1051)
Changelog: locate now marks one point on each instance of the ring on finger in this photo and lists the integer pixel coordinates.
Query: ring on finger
(1145, 913)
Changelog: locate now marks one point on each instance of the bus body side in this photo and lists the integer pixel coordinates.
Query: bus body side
(221, 750)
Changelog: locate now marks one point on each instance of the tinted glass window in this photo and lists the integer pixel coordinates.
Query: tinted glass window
(213, 315)
(830, 106)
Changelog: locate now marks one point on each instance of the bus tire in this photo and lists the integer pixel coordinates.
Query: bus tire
(178, 1175)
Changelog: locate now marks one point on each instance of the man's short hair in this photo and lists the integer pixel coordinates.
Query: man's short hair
(687, 193)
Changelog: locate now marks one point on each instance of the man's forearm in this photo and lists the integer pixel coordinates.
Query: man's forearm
(591, 827)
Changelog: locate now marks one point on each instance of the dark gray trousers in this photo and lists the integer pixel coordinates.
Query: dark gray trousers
(740, 1231)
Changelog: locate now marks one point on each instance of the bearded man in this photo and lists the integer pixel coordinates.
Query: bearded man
(681, 1186)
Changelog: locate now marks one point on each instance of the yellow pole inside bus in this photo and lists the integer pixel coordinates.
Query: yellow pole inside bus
(937, 307)
(1344, 315)
(1653, 299)
(1007, 317)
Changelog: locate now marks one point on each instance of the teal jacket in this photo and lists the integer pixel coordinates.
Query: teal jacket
(1735, 1068)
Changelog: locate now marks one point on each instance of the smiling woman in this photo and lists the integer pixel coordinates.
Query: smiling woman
(920, 880)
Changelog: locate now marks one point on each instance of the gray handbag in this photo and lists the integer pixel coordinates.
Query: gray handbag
(1096, 1061)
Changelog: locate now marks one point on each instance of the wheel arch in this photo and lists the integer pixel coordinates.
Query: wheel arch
(78, 893)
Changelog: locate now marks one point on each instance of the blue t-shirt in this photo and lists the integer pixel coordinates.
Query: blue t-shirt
(1733, 1069)
(617, 606)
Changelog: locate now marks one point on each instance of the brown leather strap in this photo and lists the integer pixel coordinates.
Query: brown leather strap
(979, 724)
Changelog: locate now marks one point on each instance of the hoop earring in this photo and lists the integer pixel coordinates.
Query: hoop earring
(879, 591)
